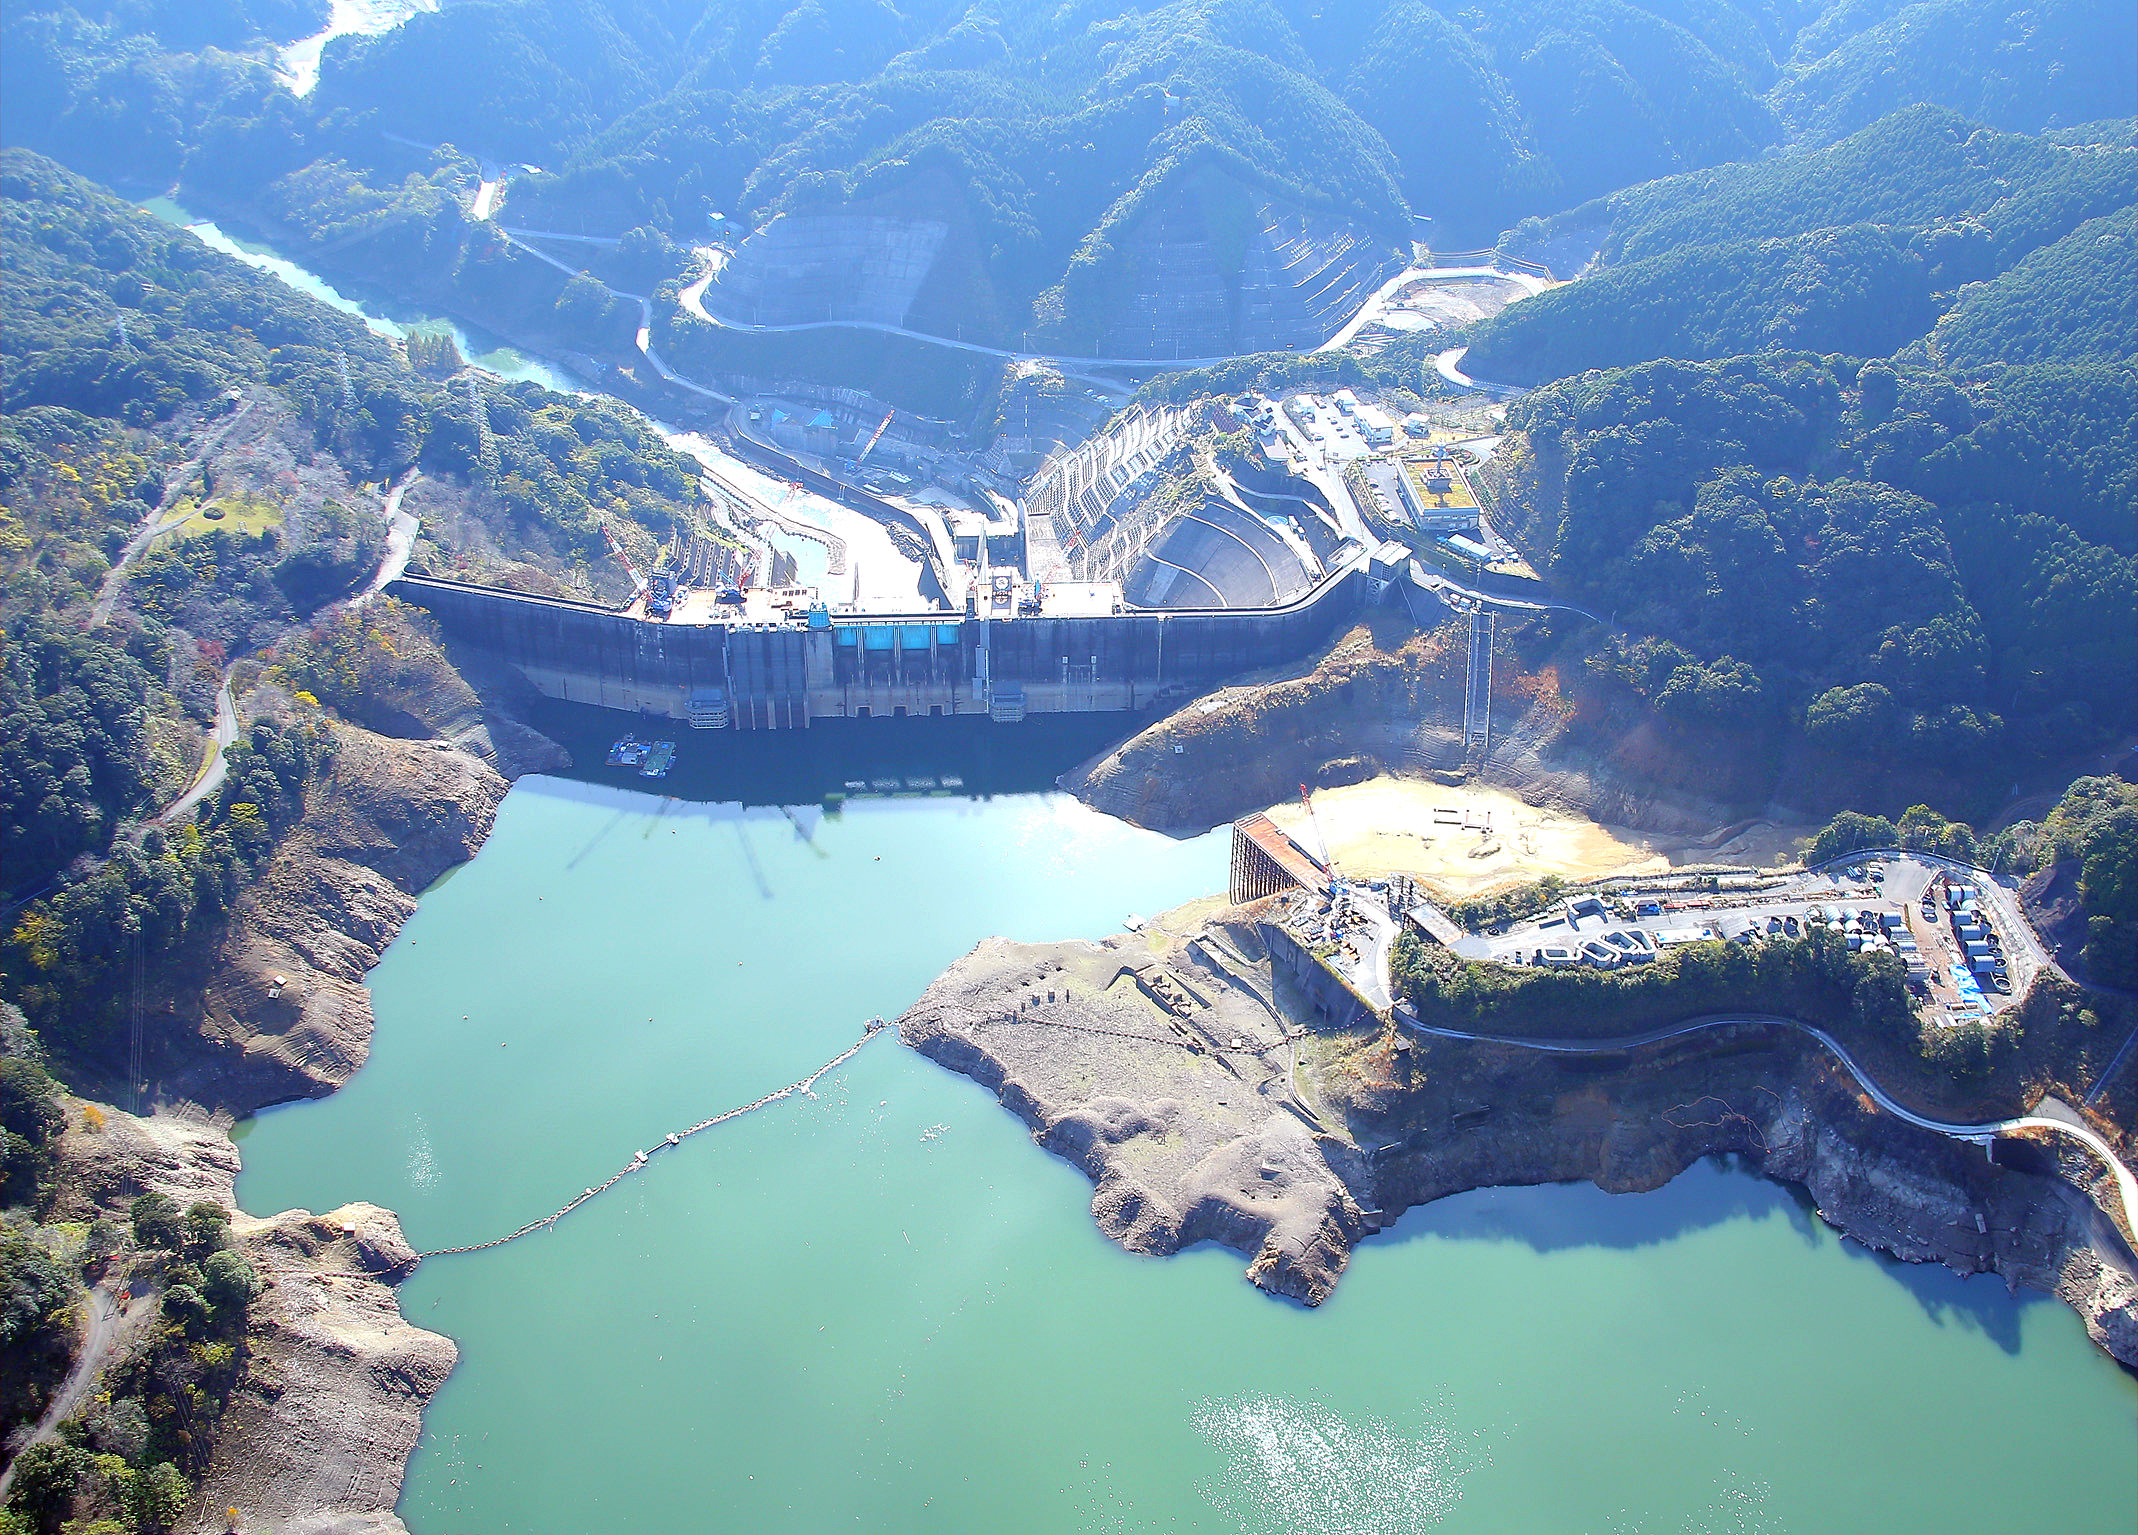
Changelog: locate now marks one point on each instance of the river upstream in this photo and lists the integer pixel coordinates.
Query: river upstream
(885, 1309)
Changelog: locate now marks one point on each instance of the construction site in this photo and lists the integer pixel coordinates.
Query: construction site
(874, 574)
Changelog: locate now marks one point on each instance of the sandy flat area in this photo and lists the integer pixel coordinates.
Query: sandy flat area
(1475, 838)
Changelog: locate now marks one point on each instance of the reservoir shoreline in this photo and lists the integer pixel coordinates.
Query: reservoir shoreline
(1185, 1071)
(1888, 1195)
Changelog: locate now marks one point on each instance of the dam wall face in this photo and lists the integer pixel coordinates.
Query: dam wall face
(783, 676)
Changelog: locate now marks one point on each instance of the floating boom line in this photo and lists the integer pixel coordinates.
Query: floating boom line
(640, 1159)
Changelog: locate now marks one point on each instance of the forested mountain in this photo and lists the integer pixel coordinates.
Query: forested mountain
(1057, 175)
(1907, 566)
(2019, 64)
(2074, 301)
(1859, 248)
(142, 370)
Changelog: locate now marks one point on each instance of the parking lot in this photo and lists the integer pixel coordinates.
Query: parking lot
(1876, 904)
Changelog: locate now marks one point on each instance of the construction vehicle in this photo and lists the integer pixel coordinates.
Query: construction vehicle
(1328, 854)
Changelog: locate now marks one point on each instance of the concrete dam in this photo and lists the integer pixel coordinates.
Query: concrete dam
(1001, 660)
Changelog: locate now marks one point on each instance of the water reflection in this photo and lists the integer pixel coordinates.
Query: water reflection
(1557, 1217)
(965, 757)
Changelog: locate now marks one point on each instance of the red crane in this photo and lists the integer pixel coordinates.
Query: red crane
(638, 582)
(1328, 856)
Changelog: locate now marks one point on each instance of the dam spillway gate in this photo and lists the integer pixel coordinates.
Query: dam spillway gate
(783, 676)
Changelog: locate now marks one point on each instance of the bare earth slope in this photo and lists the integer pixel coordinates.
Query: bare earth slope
(319, 1430)
(389, 818)
(1176, 1067)
(317, 1435)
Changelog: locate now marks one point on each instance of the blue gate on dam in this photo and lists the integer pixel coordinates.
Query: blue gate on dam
(781, 676)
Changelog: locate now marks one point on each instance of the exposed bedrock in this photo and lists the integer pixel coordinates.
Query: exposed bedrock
(1389, 695)
(330, 1403)
(283, 1011)
(1165, 1082)
(1168, 1066)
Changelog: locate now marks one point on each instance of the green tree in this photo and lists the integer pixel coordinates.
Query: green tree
(1854, 720)
(157, 1222)
(186, 1306)
(46, 1479)
(157, 1497)
(30, 1119)
(1851, 832)
(2108, 885)
(207, 1229)
(228, 1283)
(1926, 831)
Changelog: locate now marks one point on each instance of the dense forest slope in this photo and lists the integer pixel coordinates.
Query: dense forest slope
(1858, 248)
(1899, 564)
(1149, 180)
(148, 382)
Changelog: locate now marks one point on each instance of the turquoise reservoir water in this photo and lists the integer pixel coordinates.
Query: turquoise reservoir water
(884, 1309)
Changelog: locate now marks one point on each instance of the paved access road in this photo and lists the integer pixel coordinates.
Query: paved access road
(214, 768)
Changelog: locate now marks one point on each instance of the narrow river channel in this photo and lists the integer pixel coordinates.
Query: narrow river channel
(885, 572)
(886, 1309)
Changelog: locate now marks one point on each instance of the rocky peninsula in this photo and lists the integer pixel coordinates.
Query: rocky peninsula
(1209, 1095)
(317, 1434)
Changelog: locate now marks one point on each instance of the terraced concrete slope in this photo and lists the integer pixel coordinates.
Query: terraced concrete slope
(1210, 267)
(1216, 556)
(1202, 267)
(1190, 286)
(844, 265)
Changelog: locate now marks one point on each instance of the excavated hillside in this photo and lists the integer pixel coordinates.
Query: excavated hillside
(1387, 697)
(1210, 267)
(1202, 265)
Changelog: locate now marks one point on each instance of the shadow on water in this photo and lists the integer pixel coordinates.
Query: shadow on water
(1553, 1217)
(1557, 1217)
(834, 760)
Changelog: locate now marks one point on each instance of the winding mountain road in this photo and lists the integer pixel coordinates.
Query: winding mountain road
(104, 1316)
(214, 769)
(401, 530)
(692, 299)
(1449, 366)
